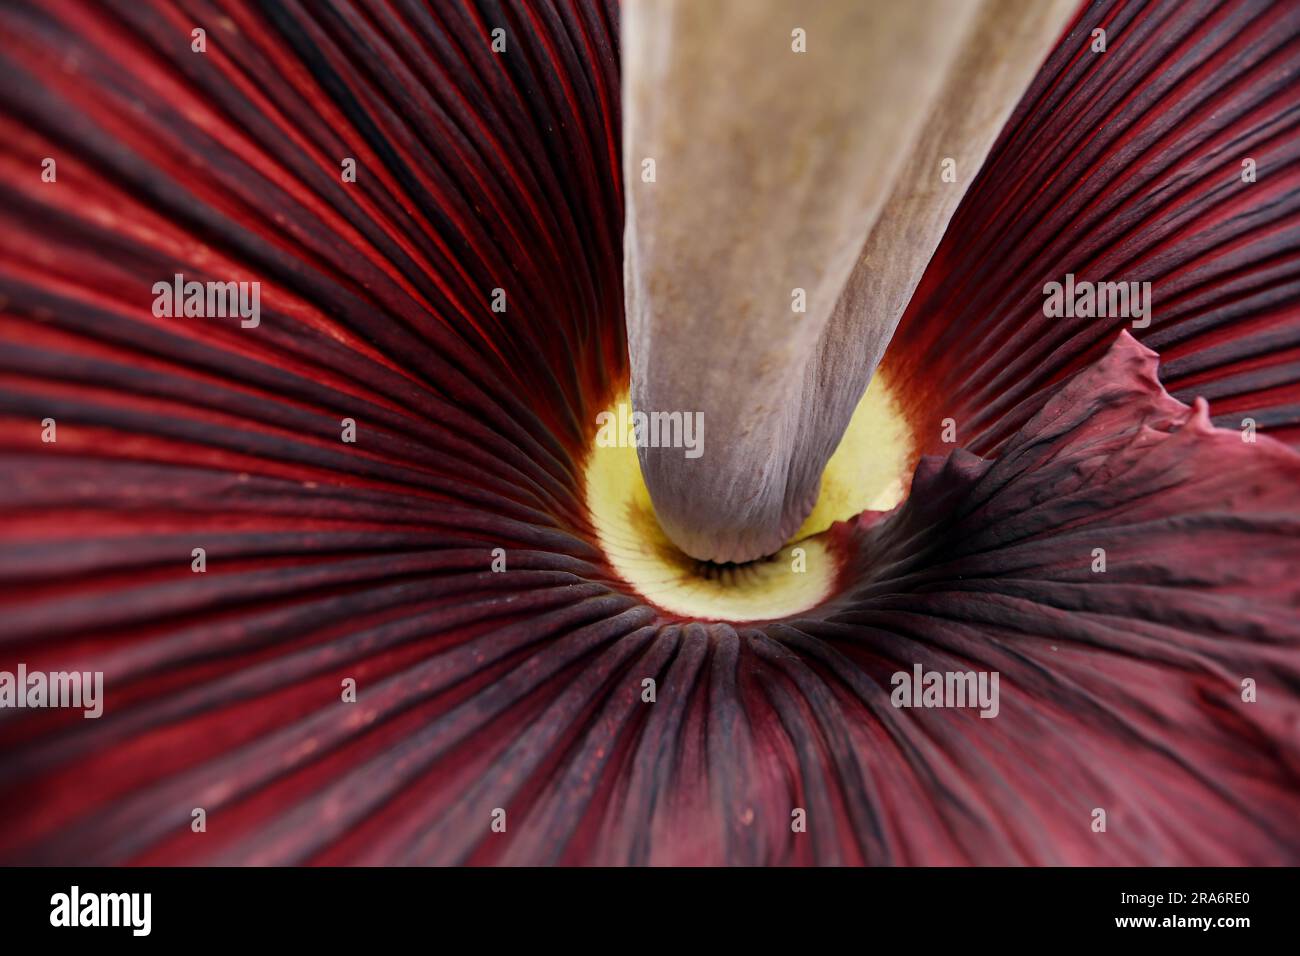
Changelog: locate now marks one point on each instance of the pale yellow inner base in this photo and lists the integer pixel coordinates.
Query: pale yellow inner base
(866, 473)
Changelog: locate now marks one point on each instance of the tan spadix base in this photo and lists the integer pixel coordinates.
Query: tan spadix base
(789, 170)
(866, 473)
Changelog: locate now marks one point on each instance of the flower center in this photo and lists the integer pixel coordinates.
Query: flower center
(866, 473)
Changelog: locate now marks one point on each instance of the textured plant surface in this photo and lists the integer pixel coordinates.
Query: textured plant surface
(522, 691)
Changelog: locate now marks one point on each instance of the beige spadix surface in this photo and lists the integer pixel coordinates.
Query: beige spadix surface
(761, 179)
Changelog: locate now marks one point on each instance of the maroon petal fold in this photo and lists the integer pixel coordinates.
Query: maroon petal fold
(522, 691)
(1127, 165)
(1120, 690)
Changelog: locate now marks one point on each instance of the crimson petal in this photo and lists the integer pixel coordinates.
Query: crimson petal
(1127, 166)
(522, 691)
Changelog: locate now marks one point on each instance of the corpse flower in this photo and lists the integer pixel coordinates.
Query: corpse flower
(312, 315)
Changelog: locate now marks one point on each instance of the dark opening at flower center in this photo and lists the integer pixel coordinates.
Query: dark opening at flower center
(866, 473)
